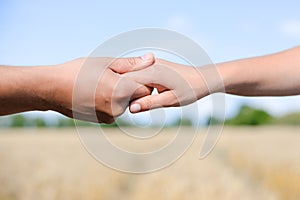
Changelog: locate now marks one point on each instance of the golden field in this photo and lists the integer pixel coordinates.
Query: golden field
(247, 163)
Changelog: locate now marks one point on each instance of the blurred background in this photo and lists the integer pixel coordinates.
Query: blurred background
(257, 155)
(46, 33)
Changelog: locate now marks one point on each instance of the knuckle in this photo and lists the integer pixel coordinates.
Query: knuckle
(146, 104)
(120, 110)
(124, 89)
(121, 95)
(117, 110)
(106, 100)
(174, 101)
(132, 61)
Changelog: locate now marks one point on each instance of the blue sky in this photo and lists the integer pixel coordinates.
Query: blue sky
(51, 32)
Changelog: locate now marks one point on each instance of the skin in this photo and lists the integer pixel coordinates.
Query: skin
(270, 75)
(107, 86)
(51, 88)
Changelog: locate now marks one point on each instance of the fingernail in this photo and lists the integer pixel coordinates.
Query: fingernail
(147, 56)
(135, 107)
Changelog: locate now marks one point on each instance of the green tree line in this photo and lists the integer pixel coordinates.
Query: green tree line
(246, 116)
(249, 116)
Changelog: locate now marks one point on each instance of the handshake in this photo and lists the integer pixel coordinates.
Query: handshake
(100, 89)
(107, 86)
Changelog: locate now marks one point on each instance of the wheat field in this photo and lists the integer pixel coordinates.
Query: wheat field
(247, 163)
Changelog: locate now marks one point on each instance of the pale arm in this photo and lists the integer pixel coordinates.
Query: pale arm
(271, 75)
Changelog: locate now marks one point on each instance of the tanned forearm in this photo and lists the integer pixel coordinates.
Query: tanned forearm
(24, 89)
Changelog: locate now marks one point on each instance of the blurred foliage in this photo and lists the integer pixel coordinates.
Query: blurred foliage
(21, 120)
(18, 121)
(65, 122)
(250, 116)
(182, 122)
(212, 121)
(289, 119)
(246, 116)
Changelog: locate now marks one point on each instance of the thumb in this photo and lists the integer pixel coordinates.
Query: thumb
(123, 65)
(164, 99)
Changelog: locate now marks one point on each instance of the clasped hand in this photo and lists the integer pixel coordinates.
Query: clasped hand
(107, 86)
(100, 89)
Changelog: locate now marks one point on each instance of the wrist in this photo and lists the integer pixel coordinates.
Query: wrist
(230, 76)
(226, 75)
(210, 81)
(239, 77)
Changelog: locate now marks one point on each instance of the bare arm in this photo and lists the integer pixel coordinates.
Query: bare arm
(271, 75)
(24, 88)
(102, 93)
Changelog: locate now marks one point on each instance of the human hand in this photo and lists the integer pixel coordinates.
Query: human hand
(177, 85)
(98, 87)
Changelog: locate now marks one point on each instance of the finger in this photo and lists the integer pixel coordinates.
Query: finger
(123, 65)
(165, 99)
(158, 75)
(141, 91)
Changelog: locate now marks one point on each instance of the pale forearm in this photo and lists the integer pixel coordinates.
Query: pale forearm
(24, 89)
(272, 75)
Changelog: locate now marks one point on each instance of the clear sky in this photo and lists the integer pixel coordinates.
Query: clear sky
(51, 32)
